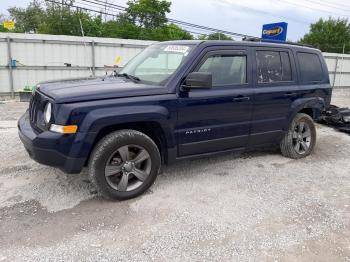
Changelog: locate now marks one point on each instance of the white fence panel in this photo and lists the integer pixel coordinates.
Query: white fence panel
(339, 69)
(48, 57)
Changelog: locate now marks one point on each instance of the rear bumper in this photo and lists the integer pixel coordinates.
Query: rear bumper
(43, 147)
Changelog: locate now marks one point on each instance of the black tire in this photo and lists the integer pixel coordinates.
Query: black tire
(105, 149)
(289, 145)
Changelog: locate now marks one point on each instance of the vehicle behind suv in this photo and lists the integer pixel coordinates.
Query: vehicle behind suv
(178, 100)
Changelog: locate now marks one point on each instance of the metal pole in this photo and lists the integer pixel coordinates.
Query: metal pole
(106, 11)
(10, 67)
(335, 71)
(341, 68)
(93, 57)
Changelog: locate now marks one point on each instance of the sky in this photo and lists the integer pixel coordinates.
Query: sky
(245, 17)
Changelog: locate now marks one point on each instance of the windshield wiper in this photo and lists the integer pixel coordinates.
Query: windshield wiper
(131, 77)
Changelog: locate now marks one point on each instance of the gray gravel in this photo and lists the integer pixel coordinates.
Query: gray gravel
(250, 207)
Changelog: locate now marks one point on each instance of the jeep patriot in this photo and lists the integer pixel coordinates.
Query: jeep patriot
(177, 100)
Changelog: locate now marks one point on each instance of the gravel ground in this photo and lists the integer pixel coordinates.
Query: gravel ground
(256, 206)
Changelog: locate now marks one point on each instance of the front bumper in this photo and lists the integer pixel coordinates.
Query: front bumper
(49, 148)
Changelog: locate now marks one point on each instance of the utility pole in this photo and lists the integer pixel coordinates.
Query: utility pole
(61, 16)
(106, 2)
(341, 67)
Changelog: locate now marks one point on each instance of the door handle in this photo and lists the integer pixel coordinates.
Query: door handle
(290, 94)
(241, 98)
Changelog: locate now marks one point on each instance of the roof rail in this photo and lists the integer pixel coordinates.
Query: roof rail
(256, 39)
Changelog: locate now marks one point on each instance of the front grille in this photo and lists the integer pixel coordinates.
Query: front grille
(36, 110)
(32, 109)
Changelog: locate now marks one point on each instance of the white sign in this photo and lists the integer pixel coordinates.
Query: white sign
(176, 48)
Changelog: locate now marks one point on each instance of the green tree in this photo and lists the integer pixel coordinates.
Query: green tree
(165, 32)
(215, 36)
(63, 20)
(147, 13)
(2, 29)
(27, 19)
(177, 33)
(50, 18)
(143, 19)
(121, 28)
(329, 35)
(2, 19)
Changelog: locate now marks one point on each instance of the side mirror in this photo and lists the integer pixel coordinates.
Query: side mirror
(198, 80)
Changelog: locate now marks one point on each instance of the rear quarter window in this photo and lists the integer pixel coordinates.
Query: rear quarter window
(310, 67)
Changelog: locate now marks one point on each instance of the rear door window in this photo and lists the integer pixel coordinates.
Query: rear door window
(273, 66)
(310, 67)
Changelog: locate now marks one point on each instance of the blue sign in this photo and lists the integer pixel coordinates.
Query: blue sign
(274, 32)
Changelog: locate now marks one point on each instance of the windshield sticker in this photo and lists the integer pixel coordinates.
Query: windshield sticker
(176, 48)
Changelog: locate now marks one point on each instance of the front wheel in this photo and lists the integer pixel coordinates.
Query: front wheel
(300, 139)
(124, 164)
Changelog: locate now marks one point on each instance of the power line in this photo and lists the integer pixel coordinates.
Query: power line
(79, 7)
(193, 32)
(190, 31)
(105, 13)
(329, 5)
(103, 4)
(179, 22)
(252, 10)
(100, 10)
(346, 6)
(203, 33)
(313, 8)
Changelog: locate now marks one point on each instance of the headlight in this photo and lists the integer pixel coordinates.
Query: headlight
(47, 113)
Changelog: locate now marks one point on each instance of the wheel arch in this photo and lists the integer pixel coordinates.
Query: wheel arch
(152, 129)
(312, 112)
(310, 106)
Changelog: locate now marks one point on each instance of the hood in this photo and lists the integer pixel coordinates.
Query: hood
(85, 89)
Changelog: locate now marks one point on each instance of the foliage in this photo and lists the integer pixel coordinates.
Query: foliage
(148, 13)
(143, 19)
(121, 28)
(28, 19)
(2, 19)
(329, 35)
(60, 20)
(215, 36)
(167, 32)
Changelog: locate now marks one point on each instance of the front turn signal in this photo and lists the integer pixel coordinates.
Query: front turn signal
(72, 129)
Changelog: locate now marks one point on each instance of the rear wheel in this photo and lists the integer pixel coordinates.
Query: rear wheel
(124, 164)
(300, 139)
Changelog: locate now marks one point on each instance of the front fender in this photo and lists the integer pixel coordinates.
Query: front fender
(101, 118)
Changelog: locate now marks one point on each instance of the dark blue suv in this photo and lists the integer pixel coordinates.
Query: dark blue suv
(178, 100)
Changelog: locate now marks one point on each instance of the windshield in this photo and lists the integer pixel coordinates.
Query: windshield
(157, 63)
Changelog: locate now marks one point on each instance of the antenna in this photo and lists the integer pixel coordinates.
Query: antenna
(82, 33)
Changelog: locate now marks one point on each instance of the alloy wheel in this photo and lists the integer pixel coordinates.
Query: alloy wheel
(128, 167)
(301, 137)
